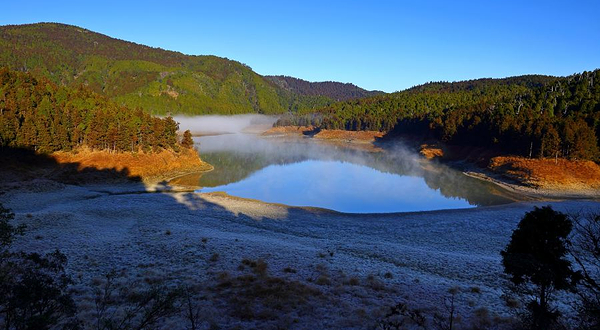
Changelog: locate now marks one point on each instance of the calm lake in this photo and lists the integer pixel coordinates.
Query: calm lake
(306, 172)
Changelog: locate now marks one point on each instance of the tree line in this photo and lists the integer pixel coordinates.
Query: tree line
(36, 113)
(533, 116)
(334, 90)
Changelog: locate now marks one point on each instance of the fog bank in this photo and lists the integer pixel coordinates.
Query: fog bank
(202, 125)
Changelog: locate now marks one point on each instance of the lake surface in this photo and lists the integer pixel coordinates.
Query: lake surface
(306, 172)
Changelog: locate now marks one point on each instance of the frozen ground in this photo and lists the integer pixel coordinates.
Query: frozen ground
(358, 263)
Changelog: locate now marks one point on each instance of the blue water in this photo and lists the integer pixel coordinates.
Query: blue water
(305, 172)
(340, 186)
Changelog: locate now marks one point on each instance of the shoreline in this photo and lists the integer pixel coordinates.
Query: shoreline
(164, 233)
(360, 140)
(536, 193)
(365, 141)
(182, 237)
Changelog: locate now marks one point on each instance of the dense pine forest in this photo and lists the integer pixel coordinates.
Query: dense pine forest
(334, 90)
(532, 116)
(157, 80)
(36, 113)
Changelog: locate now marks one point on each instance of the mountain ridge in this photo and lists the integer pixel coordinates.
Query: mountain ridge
(337, 91)
(135, 75)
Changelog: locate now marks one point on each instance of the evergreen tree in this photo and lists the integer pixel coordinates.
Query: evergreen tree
(187, 141)
(535, 261)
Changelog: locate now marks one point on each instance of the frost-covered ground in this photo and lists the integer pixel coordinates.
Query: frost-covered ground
(354, 266)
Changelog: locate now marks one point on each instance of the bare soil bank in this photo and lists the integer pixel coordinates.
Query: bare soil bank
(552, 178)
(361, 140)
(326, 134)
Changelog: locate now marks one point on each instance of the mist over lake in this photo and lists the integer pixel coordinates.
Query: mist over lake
(305, 172)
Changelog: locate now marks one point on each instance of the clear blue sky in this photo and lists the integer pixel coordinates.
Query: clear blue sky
(385, 45)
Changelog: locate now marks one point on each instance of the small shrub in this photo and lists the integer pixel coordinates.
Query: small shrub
(321, 268)
(388, 275)
(323, 280)
(289, 270)
(261, 268)
(249, 263)
(481, 319)
(353, 281)
(475, 289)
(512, 302)
(401, 317)
(214, 257)
(374, 283)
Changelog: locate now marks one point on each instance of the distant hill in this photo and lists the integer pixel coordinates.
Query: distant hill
(134, 75)
(531, 115)
(529, 81)
(335, 90)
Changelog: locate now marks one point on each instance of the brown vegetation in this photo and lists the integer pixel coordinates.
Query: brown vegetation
(288, 130)
(560, 174)
(148, 166)
(326, 134)
(431, 151)
(260, 296)
(350, 136)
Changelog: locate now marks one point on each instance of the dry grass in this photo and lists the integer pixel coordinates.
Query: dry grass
(137, 164)
(326, 134)
(336, 134)
(353, 281)
(431, 151)
(285, 130)
(546, 173)
(258, 296)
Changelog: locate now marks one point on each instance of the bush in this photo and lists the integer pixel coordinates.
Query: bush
(33, 288)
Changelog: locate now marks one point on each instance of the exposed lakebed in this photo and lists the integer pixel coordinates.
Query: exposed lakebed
(304, 172)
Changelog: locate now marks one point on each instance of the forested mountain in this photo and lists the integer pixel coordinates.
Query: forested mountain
(36, 113)
(135, 75)
(334, 90)
(529, 115)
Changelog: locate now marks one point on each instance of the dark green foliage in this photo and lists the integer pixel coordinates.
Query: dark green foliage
(535, 261)
(586, 252)
(534, 116)
(33, 288)
(8, 231)
(401, 317)
(35, 291)
(35, 113)
(134, 75)
(334, 90)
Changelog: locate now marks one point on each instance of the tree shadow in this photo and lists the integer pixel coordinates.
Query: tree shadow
(23, 168)
(312, 132)
(21, 164)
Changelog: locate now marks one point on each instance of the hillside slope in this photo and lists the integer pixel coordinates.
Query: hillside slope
(531, 116)
(334, 90)
(134, 75)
